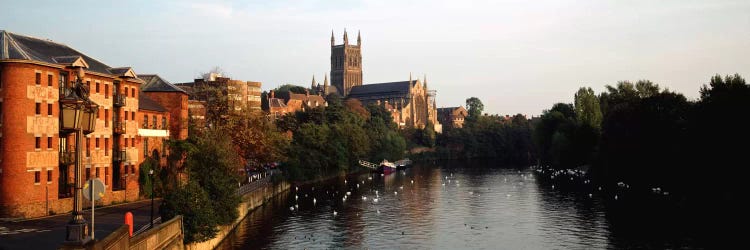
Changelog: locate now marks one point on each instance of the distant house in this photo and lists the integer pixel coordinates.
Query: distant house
(296, 102)
(452, 116)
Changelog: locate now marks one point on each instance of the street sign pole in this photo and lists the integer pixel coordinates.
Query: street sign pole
(93, 204)
(93, 191)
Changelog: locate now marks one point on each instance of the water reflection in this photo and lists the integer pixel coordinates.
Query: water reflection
(447, 206)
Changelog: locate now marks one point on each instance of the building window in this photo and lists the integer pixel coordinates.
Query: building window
(132, 169)
(126, 142)
(38, 78)
(132, 142)
(132, 115)
(106, 176)
(164, 123)
(37, 177)
(145, 121)
(126, 91)
(106, 118)
(38, 142)
(154, 122)
(49, 175)
(49, 108)
(88, 174)
(88, 147)
(63, 79)
(88, 86)
(49, 142)
(145, 147)
(106, 147)
(97, 87)
(38, 108)
(97, 143)
(96, 172)
(132, 92)
(126, 115)
(49, 80)
(106, 91)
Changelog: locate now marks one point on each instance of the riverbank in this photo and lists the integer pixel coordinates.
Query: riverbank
(250, 201)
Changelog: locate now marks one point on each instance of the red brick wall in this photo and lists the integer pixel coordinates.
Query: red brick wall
(20, 196)
(177, 105)
(17, 183)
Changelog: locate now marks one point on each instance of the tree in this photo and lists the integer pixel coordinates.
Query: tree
(587, 108)
(198, 216)
(475, 108)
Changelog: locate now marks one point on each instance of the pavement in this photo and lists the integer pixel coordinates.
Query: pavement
(49, 232)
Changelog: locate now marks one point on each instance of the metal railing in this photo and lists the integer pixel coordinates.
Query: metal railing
(119, 127)
(119, 100)
(67, 157)
(119, 155)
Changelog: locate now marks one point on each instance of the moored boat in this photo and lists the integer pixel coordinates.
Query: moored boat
(387, 167)
(402, 164)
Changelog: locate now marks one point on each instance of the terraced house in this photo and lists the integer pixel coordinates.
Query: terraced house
(37, 158)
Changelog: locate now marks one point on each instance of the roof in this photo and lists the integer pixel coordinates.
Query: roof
(15, 46)
(154, 83)
(146, 103)
(276, 103)
(388, 88)
(447, 112)
(305, 98)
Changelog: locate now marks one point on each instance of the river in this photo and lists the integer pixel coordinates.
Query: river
(451, 205)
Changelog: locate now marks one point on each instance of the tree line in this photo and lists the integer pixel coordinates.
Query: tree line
(651, 137)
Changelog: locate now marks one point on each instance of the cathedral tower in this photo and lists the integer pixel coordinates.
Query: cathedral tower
(346, 65)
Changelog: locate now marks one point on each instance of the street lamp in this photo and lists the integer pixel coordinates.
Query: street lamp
(77, 115)
(151, 174)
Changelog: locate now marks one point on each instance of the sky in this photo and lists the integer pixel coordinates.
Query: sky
(516, 56)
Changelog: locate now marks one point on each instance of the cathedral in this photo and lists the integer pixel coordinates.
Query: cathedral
(410, 102)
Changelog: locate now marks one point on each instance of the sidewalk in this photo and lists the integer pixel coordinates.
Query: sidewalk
(49, 232)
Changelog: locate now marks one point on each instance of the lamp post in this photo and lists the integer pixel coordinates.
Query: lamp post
(77, 115)
(151, 174)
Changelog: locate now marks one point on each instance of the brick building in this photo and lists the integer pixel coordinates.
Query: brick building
(452, 116)
(37, 159)
(154, 130)
(295, 102)
(242, 96)
(171, 98)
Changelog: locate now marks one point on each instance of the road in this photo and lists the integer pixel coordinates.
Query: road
(49, 232)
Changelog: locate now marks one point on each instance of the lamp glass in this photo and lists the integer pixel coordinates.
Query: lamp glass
(70, 116)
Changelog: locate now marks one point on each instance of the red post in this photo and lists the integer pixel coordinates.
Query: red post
(129, 221)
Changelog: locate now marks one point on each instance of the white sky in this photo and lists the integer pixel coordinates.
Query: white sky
(516, 56)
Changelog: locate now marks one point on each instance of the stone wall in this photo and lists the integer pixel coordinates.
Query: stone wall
(250, 201)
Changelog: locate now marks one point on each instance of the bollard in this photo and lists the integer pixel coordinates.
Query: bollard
(129, 221)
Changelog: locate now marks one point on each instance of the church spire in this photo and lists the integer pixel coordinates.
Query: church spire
(425, 81)
(313, 86)
(409, 77)
(359, 39)
(332, 39)
(346, 38)
(325, 85)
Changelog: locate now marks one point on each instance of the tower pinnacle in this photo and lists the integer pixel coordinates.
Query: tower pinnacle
(332, 39)
(359, 39)
(346, 38)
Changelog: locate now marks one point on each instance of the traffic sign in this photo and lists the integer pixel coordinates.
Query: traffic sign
(98, 191)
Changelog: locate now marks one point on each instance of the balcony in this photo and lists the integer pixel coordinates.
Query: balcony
(119, 155)
(119, 100)
(67, 157)
(119, 127)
